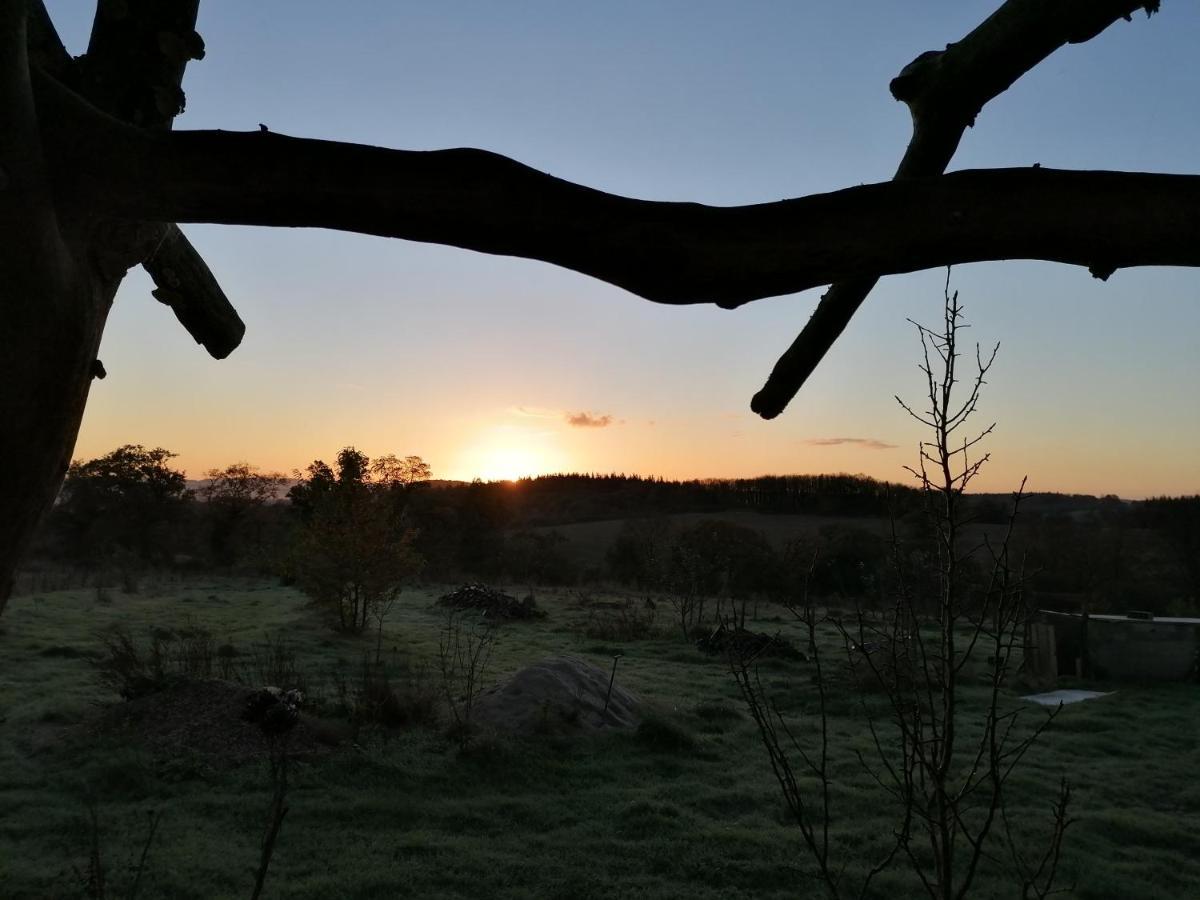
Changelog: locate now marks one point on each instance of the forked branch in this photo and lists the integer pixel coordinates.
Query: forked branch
(945, 90)
(674, 253)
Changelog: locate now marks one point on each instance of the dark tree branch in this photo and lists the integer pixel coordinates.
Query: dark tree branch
(945, 90)
(133, 70)
(185, 284)
(46, 48)
(667, 252)
(27, 221)
(136, 58)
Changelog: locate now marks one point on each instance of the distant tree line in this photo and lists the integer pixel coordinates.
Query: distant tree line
(576, 497)
(131, 510)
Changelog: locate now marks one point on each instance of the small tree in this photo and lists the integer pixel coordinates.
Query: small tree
(719, 560)
(234, 497)
(537, 557)
(945, 764)
(464, 651)
(640, 552)
(124, 507)
(400, 474)
(352, 555)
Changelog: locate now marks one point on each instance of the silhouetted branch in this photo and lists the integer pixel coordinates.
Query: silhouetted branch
(184, 283)
(1038, 883)
(27, 218)
(945, 90)
(136, 57)
(667, 252)
(133, 70)
(45, 46)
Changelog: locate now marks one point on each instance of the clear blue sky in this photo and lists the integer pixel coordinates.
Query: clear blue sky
(475, 362)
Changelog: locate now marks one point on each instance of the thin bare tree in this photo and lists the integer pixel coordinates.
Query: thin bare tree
(944, 762)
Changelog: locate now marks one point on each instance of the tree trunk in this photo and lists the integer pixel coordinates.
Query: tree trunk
(61, 260)
(48, 345)
(53, 304)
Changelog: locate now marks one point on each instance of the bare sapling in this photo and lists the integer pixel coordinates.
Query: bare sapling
(931, 673)
(464, 653)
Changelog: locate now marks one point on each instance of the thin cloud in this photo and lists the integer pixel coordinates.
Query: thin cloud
(587, 420)
(534, 412)
(866, 443)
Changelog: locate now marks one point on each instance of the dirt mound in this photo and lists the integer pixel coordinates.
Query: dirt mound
(205, 717)
(559, 694)
(494, 604)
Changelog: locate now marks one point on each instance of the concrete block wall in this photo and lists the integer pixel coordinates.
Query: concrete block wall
(1136, 650)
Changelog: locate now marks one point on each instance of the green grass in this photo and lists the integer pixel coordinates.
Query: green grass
(683, 807)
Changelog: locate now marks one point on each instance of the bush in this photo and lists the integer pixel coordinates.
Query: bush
(127, 669)
(134, 671)
(273, 662)
(194, 652)
(353, 553)
(227, 655)
(537, 557)
(464, 652)
(628, 621)
(372, 698)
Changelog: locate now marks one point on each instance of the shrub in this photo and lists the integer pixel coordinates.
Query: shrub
(127, 669)
(464, 651)
(194, 652)
(134, 671)
(628, 621)
(227, 655)
(353, 553)
(373, 699)
(273, 662)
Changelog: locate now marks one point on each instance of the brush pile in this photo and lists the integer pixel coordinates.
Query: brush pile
(494, 604)
(744, 644)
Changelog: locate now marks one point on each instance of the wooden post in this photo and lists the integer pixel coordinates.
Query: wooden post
(1041, 655)
(1085, 665)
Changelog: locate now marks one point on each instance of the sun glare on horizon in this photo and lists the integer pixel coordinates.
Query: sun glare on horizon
(506, 455)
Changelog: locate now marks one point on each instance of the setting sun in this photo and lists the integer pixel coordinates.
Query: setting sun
(506, 454)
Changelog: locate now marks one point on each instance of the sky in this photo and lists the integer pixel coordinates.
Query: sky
(494, 367)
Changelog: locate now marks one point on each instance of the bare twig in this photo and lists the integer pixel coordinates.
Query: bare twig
(154, 817)
(278, 809)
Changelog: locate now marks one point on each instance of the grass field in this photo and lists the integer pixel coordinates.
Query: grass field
(685, 809)
(588, 542)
